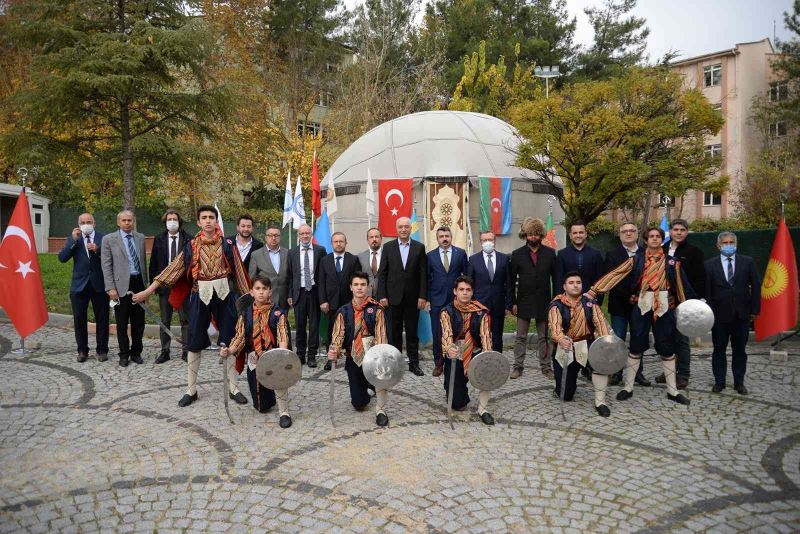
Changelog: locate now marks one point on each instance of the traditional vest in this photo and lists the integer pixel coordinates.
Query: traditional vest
(672, 277)
(275, 314)
(370, 315)
(566, 315)
(457, 324)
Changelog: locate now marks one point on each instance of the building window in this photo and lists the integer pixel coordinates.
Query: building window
(324, 99)
(777, 129)
(712, 75)
(711, 199)
(666, 200)
(714, 151)
(37, 218)
(309, 128)
(778, 91)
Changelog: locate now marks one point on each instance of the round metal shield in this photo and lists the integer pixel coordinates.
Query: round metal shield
(608, 355)
(278, 369)
(488, 370)
(383, 366)
(694, 318)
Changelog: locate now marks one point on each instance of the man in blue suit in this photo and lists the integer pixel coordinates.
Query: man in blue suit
(83, 246)
(491, 273)
(445, 264)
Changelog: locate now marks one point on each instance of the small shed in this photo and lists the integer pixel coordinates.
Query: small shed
(39, 207)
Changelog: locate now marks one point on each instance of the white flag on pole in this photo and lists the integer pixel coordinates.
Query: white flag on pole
(287, 201)
(372, 202)
(219, 218)
(298, 207)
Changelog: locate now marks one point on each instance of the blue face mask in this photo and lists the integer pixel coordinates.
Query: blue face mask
(728, 250)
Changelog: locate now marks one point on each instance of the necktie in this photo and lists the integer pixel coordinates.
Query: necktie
(173, 248)
(132, 252)
(491, 268)
(338, 264)
(446, 263)
(88, 242)
(374, 262)
(307, 270)
(730, 270)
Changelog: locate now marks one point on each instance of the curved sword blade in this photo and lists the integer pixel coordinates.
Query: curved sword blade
(452, 382)
(225, 386)
(333, 370)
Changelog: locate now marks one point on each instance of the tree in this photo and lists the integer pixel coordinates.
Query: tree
(619, 41)
(611, 143)
(787, 70)
(115, 88)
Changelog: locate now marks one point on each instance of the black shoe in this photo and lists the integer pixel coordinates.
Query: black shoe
(82, 356)
(327, 365)
(238, 398)
(642, 381)
(718, 388)
(416, 370)
(123, 362)
(361, 408)
(302, 359)
(187, 399)
(102, 357)
(285, 421)
(137, 359)
(681, 382)
(184, 356)
(162, 358)
(487, 418)
(616, 379)
(740, 389)
(381, 419)
(603, 410)
(624, 394)
(312, 363)
(679, 398)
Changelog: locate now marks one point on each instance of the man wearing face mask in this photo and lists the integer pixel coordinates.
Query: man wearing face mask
(83, 246)
(733, 290)
(491, 272)
(533, 268)
(166, 247)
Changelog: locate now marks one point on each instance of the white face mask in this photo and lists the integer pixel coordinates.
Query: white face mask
(87, 229)
(488, 246)
(172, 226)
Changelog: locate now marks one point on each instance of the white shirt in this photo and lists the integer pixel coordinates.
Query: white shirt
(244, 250)
(449, 255)
(673, 246)
(631, 251)
(341, 262)
(724, 260)
(405, 248)
(310, 262)
(377, 258)
(91, 236)
(169, 246)
(486, 259)
(275, 257)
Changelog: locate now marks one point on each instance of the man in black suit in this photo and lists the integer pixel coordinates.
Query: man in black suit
(580, 257)
(620, 297)
(491, 272)
(733, 290)
(533, 268)
(245, 242)
(403, 287)
(335, 270)
(692, 261)
(83, 246)
(303, 275)
(166, 247)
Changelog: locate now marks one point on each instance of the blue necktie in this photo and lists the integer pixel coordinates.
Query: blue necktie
(339, 264)
(132, 252)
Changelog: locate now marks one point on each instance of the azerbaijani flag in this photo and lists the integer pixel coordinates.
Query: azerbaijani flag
(550, 233)
(495, 204)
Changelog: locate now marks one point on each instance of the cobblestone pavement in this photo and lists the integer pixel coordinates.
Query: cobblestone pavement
(96, 447)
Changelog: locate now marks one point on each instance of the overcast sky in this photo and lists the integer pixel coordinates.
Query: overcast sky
(692, 27)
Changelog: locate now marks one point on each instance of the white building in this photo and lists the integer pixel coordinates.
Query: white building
(39, 209)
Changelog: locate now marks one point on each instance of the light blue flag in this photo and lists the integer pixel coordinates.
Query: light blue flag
(665, 227)
(424, 331)
(322, 234)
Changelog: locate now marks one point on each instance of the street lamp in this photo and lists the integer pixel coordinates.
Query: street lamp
(547, 72)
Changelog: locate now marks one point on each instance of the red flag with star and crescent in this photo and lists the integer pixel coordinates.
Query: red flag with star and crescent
(21, 289)
(395, 200)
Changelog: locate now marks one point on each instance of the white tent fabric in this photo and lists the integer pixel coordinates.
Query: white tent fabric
(431, 143)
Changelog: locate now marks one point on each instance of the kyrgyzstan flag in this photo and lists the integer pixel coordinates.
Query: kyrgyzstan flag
(780, 287)
(21, 290)
(316, 195)
(395, 198)
(495, 204)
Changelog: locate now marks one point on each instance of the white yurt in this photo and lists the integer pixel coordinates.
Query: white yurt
(444, 151)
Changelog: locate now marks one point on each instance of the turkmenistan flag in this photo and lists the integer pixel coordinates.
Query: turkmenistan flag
(495, 204)
(550, 237)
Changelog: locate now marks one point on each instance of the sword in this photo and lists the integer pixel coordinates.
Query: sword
(450, 392)
(567, 357)
(225, 385)
(153, 317)
(333, 370)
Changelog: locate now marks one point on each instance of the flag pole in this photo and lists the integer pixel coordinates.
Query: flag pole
(23, 174)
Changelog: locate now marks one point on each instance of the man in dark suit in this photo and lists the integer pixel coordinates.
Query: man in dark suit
(620, 297)
(403, 288)
(445, 264)
(245, 242)
(303, 276)
(335, 271)
(83, 246)
(733, 290)
(491, 272)
(533, 268)
(371, 259)
(580, 257)
(166, 247)
(273, 261)
(692, 260)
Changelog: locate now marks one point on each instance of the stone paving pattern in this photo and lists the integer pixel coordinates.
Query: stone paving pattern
(95, 447)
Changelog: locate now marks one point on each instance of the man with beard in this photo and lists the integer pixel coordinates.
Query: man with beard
(246, 244)
(370, 259)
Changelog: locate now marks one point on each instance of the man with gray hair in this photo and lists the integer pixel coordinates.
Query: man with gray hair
(123, 259)
(733, 290)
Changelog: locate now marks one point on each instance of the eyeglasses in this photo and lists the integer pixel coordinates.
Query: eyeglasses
(627, 231)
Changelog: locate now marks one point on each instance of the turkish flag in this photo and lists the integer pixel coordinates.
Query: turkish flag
(779, 290)
(395, 199)
(316, 196)
(21, 290)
